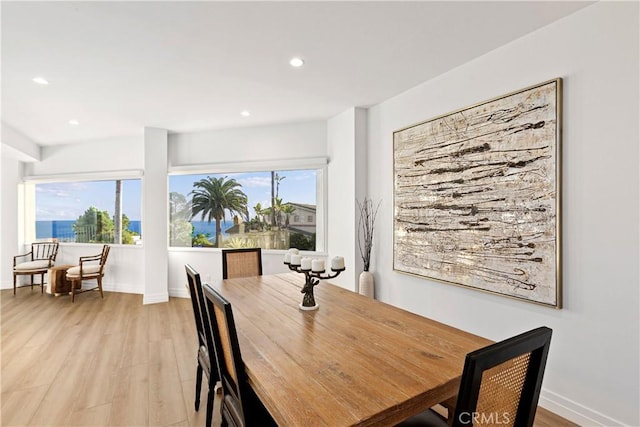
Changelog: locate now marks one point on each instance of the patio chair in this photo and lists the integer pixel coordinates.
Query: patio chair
(89, 268)
(38, 260)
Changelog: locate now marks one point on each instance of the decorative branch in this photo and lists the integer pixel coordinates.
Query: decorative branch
(365, 229)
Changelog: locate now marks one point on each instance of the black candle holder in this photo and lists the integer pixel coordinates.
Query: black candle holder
(312, 278)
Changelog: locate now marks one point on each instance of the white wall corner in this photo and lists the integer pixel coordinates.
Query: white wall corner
(341, 190)
(180, 292)
(18, 145)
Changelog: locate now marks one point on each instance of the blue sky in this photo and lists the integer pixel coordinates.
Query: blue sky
(67, 201)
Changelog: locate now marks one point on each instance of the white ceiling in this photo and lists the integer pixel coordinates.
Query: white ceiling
(117, 67)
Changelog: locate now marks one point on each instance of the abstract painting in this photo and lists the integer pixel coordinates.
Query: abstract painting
(477, 196)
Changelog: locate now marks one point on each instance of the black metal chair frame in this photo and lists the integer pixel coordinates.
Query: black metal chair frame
(205, 357)
(240, 407)
(227, 252)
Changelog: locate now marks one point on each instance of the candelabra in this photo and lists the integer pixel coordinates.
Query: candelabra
(312, 278)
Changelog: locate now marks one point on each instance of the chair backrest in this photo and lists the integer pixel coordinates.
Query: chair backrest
(94, 260)
(244, 262)
(230, 365)
(501, 383)
(103, 257)
(199, 310)
(44, 250)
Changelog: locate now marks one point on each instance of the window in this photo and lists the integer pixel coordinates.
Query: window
(246, 209)
(85, 211)
(310, 218)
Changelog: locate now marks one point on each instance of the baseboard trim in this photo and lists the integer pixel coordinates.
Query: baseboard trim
(109, 287)
(573, 411)
(122, 288)
(179, 292)
(155, 298)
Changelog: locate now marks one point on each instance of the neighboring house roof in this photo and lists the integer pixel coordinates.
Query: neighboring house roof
(303, 206)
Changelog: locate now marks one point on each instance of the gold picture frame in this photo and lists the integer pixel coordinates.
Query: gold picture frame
(477, 196)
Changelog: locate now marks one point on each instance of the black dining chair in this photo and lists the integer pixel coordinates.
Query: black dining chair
(500, 384)
(206, 361)
(245, 262)
(240, 407)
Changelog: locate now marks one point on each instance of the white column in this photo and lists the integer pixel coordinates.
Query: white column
(347, 170)
(154, 216)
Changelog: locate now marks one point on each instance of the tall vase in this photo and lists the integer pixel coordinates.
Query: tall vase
(366, 284)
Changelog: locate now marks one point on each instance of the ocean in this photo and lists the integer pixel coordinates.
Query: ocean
(63, 229)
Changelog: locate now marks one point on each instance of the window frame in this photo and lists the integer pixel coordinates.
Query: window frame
(317, 163)
(27, 199)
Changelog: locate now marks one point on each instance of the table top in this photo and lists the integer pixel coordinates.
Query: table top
(354, 361)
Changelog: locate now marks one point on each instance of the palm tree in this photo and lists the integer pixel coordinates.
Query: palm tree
(277, 209)
(287, 209)
(211, 197)
(258, 209)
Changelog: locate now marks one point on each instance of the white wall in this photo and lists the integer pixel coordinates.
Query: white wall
(208, 262)
(592, 373)
(287, 141)
(10, 177)
(18, 144)
(124, 271)
(92, 156)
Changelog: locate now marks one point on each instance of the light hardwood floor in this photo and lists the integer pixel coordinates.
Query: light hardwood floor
(104, 362)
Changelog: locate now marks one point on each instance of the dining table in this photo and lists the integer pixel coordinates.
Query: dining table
(355, 361)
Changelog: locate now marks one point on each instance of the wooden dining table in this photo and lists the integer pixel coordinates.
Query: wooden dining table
(353, 362)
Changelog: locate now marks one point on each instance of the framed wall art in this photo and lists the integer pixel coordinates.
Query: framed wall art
(477, 196)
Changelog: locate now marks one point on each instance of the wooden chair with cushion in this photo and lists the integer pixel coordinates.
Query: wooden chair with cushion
(500, 384)
(38, 260)
(240, 407)
(205, 358)
(241, 263)
(89, 268)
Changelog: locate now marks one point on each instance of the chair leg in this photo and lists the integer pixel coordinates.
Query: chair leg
(42, 283)
(100, 287)
(14, 284)
(210, 395)
(198, 386)
(32, 282)
(73, 290)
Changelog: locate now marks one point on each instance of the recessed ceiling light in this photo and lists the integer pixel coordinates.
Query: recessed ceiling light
(40, 81)
(74, 122)
(296, 62)
(245, 113)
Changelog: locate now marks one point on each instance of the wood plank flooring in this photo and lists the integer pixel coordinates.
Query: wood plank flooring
(111, 362)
